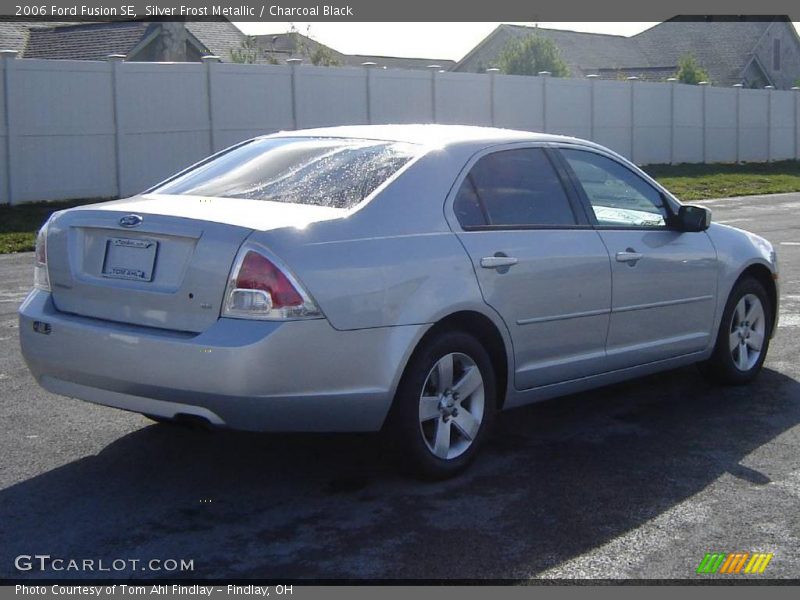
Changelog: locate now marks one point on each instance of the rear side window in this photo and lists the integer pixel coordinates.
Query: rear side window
(337, 173)
(513, 188)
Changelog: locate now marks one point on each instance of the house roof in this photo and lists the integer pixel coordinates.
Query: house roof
(14, 34)
(96, 40)
(584, 53)
(86, 41)
(722, 45)
(292, 44)
(219, 37)
(587, 52)
(288, 45)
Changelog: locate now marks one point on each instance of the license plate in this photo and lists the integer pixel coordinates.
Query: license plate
(130, 259)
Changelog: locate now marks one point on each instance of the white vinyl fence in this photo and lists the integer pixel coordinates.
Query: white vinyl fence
(81, 129)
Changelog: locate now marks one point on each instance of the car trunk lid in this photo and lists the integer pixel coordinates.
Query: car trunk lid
(154, 261)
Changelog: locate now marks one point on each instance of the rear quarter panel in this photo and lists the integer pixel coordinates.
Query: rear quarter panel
(394, 261)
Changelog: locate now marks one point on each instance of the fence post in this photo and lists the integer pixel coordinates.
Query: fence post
(704, 84)
(8, 56)
(293, 64)
(769, 89)
(492, 73)
(738, 87)
(672, 82)
(209, 60)
(368, 67)
(632, 80)
(116, 60)
(592, 78)
(544, 75)
(796, 132)
(433, 69)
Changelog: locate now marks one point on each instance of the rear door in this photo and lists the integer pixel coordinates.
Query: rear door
(538, 261)
(664, 280)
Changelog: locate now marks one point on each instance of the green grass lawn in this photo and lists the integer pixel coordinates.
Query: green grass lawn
(18, 224)
(701, 182)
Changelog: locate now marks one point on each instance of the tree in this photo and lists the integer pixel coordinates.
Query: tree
(690, 71)
(531, 54)
(247, 52)
(323, 57)
(316, 53)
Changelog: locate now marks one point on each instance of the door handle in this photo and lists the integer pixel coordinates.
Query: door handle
(498, 262)
(629, 256)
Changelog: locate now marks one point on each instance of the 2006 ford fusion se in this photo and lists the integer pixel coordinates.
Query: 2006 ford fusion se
(417, 278)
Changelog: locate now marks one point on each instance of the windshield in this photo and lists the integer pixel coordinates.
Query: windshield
(337, 173)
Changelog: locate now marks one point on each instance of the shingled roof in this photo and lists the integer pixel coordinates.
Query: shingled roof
(724, 46)
(14, 34)
(95, 41)
(219, 37)
(587, 52)
(86, 41)
(280, 46)
(291, 44)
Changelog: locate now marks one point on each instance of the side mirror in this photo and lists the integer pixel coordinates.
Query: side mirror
(692, 218)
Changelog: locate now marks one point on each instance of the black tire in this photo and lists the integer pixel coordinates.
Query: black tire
(404, 429)
(722, 366)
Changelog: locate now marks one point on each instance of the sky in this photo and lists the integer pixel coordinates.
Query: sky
(418, 40)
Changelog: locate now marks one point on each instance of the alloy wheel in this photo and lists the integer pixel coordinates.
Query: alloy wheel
(451, 406)
(746, 336)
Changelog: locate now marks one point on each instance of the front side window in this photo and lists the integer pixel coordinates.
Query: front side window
(337, 173)
(513, 188)
(618, 196)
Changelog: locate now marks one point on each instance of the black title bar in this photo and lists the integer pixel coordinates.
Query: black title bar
(397, 11)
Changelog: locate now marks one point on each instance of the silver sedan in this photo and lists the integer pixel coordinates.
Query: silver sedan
(416, 278)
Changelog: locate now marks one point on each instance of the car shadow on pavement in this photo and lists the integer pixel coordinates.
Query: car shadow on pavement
(558, 480)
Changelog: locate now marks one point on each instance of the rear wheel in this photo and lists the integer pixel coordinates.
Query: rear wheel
(444, 406)
(743, 338)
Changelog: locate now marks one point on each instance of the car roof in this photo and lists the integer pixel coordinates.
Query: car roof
(431, 134)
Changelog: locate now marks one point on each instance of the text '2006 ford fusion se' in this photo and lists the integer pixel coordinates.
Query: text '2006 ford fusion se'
(415, 278)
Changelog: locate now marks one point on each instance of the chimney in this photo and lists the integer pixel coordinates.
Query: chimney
(173, 41)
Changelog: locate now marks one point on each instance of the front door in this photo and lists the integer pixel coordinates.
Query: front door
(664, 281)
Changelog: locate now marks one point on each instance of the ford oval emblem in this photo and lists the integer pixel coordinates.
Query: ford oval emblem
(130, 220)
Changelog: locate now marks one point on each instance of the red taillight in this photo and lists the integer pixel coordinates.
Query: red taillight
(262, 287)
(41, 278)
(258, 273)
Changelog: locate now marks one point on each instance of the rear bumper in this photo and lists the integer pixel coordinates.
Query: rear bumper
(249, 375)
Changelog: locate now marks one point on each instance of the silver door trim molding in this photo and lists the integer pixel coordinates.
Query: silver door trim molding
(577, 315)
(605, 311)
(616, 350)
(662, 303)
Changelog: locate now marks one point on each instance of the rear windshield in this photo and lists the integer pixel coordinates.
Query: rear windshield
(337, 173)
